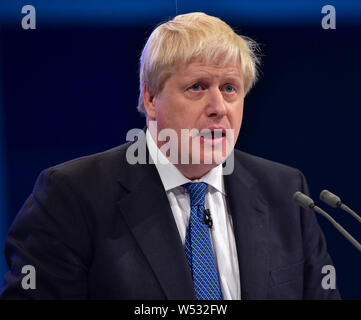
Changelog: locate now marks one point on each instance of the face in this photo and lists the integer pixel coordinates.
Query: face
(202, 97)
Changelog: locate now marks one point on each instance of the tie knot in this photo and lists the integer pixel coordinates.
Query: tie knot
(197, 193)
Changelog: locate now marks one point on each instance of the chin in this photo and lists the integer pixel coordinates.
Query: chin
(214, 158)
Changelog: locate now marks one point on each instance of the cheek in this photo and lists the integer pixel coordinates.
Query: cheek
(163, 111)
(237, 115)
(236, 119)
(175, 112)
(169, 117)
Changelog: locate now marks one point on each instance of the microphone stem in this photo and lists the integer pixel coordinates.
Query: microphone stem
(351, 212)
(339, 228)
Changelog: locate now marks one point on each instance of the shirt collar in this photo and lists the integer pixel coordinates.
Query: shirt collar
(171, 177)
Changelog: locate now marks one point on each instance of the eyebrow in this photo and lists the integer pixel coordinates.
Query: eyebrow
(205, 75)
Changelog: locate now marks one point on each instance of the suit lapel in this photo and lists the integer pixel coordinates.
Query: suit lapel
(146, 210)
(250, 219)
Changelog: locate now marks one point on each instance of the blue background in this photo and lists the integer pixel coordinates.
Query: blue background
(70, 88)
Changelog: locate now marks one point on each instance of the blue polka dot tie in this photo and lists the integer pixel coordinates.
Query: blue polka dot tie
(198, 247)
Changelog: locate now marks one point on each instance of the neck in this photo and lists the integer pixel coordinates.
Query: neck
(195, 171)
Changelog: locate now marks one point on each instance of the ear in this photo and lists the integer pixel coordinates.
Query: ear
(149, 103)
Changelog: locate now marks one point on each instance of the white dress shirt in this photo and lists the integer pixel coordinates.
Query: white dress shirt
(221, 233)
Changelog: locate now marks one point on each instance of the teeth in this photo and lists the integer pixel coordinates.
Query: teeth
(217, 133)
(212, 134)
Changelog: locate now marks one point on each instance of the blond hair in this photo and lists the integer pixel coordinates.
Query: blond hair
(190, 36)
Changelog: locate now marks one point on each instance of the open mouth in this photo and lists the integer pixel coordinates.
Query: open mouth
(218, 133)
(213, 135)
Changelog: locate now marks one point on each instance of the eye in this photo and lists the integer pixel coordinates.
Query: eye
(196, 87)
(229, 88)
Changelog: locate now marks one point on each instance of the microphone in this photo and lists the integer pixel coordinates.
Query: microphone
(335, 202)
(207, 218)
(302, 200)
(306, 202)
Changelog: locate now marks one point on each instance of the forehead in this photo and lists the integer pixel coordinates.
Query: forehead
(197, 68)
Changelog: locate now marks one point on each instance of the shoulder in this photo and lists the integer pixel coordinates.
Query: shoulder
(260, 166)
(88, 170)
(271, 177)
(98, 160)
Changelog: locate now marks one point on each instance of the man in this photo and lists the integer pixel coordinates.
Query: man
(177, 227)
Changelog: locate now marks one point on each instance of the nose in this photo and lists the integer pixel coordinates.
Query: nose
(216, 106)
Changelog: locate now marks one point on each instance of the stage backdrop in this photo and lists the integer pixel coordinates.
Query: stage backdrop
(69, 88)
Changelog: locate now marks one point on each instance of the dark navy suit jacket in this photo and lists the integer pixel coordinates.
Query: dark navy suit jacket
(100, 228)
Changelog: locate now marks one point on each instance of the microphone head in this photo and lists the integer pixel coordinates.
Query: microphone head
(330, 198)
(302, 200)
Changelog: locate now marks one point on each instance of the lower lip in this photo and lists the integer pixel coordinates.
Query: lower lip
(213, 141)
